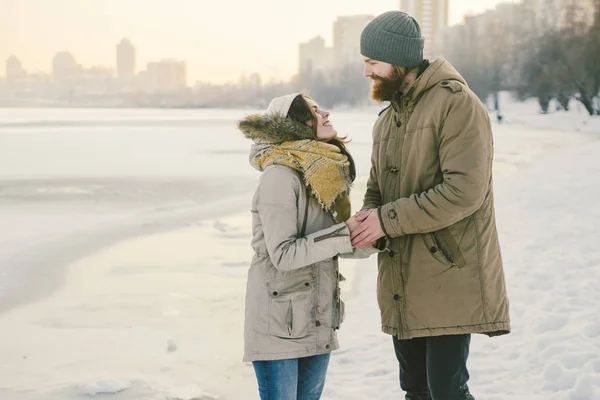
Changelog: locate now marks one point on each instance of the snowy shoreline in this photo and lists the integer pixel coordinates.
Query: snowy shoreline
(95, 229)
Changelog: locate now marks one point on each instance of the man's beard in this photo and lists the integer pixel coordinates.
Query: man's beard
(384, 88)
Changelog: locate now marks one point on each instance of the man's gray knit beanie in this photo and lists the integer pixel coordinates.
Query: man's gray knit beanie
(393, 37)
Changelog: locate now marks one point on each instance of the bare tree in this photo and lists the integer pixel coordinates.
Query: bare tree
(564, 60)
(539, 74)
(577, 55)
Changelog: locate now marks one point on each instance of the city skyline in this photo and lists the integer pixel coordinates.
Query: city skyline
(216, 49)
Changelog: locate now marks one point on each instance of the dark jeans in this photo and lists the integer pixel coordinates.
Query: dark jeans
(434, 368)
(292, 379)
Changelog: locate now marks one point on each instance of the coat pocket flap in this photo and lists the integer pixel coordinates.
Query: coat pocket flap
(450, 247)
(290, 284)
(442, 245)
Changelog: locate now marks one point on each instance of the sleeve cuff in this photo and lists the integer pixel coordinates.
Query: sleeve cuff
(381, 221)
(346, 238)
(382, 244)
(388, 218)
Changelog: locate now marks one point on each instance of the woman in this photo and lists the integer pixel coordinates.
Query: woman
(301, 220)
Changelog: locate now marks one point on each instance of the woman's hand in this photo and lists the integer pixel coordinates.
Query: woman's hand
(352, 223)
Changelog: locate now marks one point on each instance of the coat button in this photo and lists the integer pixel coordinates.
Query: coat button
(392, 213)
(433, 250)
(275, 293)
(397, 297)
(327, 347)
(399, 124)
(318, 323)
(392, 254)
(307, 284)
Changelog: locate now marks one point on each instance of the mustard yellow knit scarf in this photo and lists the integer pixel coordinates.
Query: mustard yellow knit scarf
(325, 169)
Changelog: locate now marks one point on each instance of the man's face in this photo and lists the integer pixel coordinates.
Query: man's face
(386, 79)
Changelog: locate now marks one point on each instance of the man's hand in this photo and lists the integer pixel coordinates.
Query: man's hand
(362, 215)
(368, 231)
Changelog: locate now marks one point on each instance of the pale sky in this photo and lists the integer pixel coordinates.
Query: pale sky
(220, 40)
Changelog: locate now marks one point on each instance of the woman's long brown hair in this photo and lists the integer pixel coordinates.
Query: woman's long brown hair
(301, 112)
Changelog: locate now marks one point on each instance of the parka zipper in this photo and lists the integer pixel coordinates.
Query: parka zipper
(401, 306)
(333, 234)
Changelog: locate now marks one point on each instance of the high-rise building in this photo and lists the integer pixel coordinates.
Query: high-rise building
(432, 16)
(125, 60)
(14, 69)
(346, 39)
(314, 56)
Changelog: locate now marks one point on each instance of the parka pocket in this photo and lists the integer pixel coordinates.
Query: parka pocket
(444, 248)
(291, 306)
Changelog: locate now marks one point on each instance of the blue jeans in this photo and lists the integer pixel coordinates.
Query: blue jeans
(292, 379)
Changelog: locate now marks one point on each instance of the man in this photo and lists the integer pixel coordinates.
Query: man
(430, 193)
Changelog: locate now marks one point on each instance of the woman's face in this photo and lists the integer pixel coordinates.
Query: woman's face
(325, 130)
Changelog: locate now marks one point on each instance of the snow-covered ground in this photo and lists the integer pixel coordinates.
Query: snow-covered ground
(124, 244)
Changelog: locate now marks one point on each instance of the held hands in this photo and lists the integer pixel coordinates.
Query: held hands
(352, 223)
(365, 228)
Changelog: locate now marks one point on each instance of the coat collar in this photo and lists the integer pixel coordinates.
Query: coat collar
(439, 70)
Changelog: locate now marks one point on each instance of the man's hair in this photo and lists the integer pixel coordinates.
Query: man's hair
(401, 71)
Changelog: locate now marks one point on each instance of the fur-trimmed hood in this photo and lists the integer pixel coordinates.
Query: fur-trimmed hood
(268, 129)
(274, 128)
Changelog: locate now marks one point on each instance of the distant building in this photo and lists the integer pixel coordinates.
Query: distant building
(505, 26)
(125, 60)
(14, 69)
(314, 56)
(255, 80)
(64, 67)
(96, 80)
(432, 16)
(346, 39)
(165, 75)
(99, 72)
